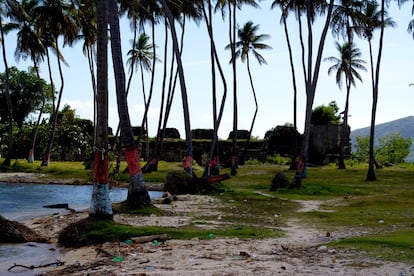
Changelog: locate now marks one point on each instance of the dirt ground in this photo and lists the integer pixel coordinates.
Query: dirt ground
(299, 252)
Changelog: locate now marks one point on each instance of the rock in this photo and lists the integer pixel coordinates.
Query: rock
(279, 181)
(15, 232)
(322, 248)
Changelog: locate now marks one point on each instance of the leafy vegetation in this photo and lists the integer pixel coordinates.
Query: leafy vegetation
(391, 148)
(322, 115)
(403, 126)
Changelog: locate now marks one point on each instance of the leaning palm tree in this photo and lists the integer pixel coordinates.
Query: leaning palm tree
(250, 42)
(346, 67)
(215, 61)
(29, 44)
(138, 196)
(86, 17)
(56, 19)
(189, 144)
(375, 19)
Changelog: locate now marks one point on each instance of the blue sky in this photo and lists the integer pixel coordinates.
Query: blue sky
(273, 82)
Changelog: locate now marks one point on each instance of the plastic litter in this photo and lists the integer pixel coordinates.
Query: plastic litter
(128, 242)
(117, 259)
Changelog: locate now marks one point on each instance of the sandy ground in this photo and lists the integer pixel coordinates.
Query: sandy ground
(298, 253)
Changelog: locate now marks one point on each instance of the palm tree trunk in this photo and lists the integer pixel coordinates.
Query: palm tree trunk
(46, 158)
(371, 172)
(151, 89)
(189, 151)
(152, 164)
(216, 117)
(9, 155)
(138, 196)
(232, 37)
(93, 81)
(257, 108)
(295, 92)
(101, 206)
(344, 128)
(30, 158)
(311, 82)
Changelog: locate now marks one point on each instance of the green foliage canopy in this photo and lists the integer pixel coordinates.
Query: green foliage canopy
(391, 148)
(322, 115)
(26, 92)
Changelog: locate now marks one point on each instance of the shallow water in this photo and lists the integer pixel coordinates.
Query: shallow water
(21, 202)
(26, 254)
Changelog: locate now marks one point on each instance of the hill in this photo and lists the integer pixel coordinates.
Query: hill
(404, 126)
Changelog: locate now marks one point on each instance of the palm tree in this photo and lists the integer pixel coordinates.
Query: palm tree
(286, 6)
(138, 196)
(250, 42)
(138, 13)
(142, 55)
(232, 6)
(217, 116)
(188, 167)
(346, 66)
(29, 44)
(6, 162)
(86, 17)
(56, 18)
(311, 75)
(346, 18)
(101, 203)
(374, 19)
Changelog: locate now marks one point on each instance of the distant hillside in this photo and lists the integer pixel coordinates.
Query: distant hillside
(404, 126)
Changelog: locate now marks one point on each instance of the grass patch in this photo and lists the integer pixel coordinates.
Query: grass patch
(122, 207)
(90, 231)
(393, 246)
(383, 210)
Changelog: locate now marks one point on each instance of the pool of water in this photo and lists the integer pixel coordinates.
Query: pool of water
(21, 202)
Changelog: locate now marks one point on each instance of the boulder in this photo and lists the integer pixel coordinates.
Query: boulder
(15, 232)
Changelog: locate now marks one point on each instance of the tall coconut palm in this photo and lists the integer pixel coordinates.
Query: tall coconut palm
(142, 56)
(101, 206)
(86, 17)
(346, 67)
(177, 12)
(55, 19)
(215, 61)
(311, 74)
(139, 13)
(138, 196)
(29, 44)
(347, 17)
(375, 19)
(167, 96)
(6, 162)
(232, 6)
(287, 6)
(250, 42)
(177, 54)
